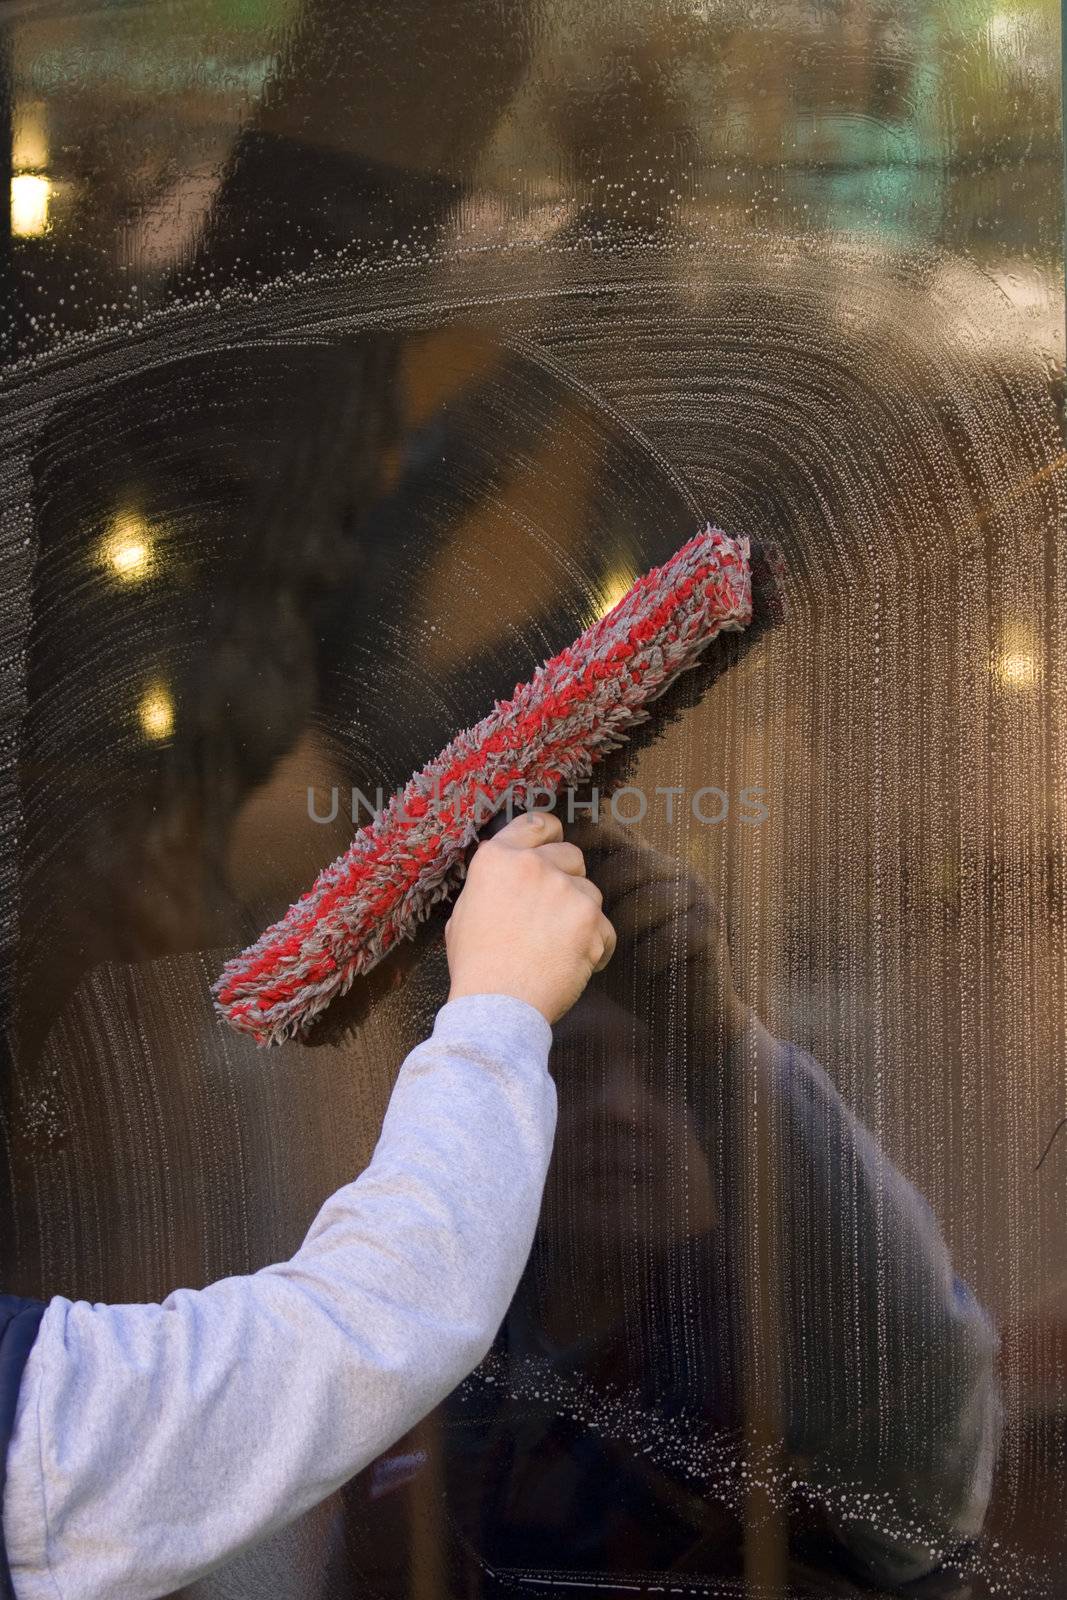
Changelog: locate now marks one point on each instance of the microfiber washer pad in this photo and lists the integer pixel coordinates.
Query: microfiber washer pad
(574, 710)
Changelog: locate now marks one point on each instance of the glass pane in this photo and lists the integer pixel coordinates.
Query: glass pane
(358, 357)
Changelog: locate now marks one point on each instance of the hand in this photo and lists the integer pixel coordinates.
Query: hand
(528, 922)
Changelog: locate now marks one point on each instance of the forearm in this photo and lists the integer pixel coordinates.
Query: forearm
(154, 1441)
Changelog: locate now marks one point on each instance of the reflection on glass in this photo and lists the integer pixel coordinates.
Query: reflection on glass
(612, 589)
(1016, 659)
(31, 193)
(378, 349)
(31, 187)
(156, 713)
(127, 548)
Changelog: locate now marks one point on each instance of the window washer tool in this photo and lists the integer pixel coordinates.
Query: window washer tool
(574, 710)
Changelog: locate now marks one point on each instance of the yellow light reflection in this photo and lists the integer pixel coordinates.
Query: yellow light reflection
(612, 589)
(1015, 663)
(31, 193)
(156, 713)
(126, 549)
(29, 144)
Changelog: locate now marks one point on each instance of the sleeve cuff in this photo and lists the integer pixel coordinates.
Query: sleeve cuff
(517, 1026)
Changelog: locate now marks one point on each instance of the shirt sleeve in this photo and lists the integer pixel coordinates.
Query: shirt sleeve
(152, 1442)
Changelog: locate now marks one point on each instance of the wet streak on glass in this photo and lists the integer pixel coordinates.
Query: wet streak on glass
(361, 355)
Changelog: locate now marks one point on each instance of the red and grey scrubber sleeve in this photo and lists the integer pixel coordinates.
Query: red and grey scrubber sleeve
(575, 709)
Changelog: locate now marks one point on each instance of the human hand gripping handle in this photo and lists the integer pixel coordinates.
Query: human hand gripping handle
(528, 922)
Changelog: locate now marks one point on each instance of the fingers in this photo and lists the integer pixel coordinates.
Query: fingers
(588, 887)
(530, 828)
(603, 935)
(567, 857)
(545, 831)
(608, 934)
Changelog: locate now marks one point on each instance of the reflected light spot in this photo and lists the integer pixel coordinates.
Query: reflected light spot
(611, 591)
(1016, 669)
(29, 145)
(1006, 33)
(1015, 663)
(156, 713)
(30, 196)
(127, 548)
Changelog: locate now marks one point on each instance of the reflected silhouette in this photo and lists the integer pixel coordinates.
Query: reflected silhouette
(640, 1289)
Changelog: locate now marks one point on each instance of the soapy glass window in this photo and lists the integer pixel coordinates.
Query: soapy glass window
(357, 358)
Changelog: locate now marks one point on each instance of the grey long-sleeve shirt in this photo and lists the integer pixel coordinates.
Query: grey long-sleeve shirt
(152, 1442)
